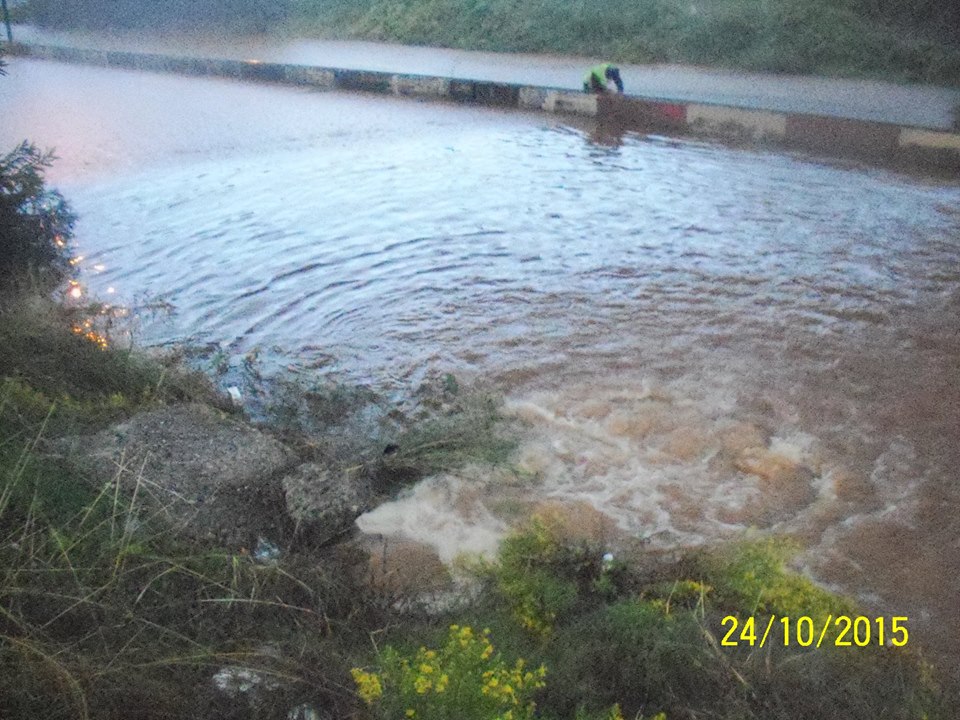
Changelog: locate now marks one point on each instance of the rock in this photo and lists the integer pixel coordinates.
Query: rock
(323, 504)
(209, 476)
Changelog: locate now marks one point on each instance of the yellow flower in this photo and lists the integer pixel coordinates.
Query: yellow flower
(615, 714)
(368, 685)
(411, 712)
(421, 685)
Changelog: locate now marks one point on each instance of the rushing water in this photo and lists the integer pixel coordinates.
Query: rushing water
(700, 339)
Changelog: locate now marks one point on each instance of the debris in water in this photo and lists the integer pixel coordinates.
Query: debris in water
(265, 552)
(236, 398)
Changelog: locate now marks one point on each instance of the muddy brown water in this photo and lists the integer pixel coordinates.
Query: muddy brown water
(702, 340)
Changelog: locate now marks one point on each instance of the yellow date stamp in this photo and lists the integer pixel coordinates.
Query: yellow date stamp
(805, 631)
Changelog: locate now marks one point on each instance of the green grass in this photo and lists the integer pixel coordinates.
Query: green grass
(103, 614)
(471, 430)
(52, 364)
(795, 36)
(855, 38)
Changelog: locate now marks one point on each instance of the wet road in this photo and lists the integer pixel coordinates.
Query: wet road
(917, 105)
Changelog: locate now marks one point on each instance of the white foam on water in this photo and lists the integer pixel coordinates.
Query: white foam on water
(896, 476)
(673, 465)
(441, 512)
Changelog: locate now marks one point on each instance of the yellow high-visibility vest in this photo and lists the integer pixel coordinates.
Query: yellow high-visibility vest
(600, 73)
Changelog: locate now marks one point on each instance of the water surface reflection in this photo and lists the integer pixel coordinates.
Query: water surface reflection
(701, 339)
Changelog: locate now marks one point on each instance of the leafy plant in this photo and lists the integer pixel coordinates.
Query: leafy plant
(35, 222)
(528, 575)
(752, 576)
(465, 679)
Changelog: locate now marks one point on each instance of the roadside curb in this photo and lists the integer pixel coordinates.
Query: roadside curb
(877, 142)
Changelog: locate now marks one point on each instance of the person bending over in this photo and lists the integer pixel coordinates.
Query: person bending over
(597, 79)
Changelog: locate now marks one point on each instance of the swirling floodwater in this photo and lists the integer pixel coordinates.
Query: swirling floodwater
(700, 339)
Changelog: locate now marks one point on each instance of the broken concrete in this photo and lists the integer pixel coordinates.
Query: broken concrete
(205, 474)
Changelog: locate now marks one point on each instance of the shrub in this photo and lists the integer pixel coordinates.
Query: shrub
(49, 365)
(465, 679)
(532, 574)
(650, 640)
(753, 577)
(35, 222)
(641, 654)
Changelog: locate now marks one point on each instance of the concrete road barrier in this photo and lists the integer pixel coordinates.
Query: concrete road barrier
(736, 123)
(376, 82)
(884, 143)
(846, 138)
(417, 85)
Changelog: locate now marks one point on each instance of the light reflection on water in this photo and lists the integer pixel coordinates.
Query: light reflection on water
(701, 339)
(515, 247)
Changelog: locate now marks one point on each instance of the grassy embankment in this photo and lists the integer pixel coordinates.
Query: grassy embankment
(105, 614)
(887, 39)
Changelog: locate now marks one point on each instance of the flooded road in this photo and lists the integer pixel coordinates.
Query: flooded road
(701, 339)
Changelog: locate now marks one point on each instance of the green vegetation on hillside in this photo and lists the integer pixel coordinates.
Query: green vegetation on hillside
(864, 38)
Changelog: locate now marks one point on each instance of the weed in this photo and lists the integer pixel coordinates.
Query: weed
(753, 576)
(466, 678)
(104, 615)
(471, 431)
(47, 367)
(649, 642)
